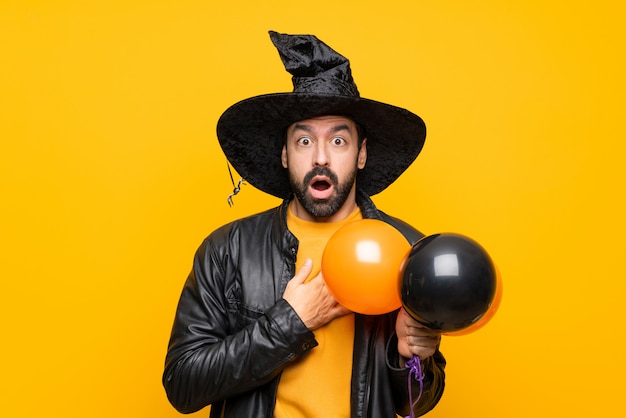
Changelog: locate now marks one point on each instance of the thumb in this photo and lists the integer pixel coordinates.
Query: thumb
(304, 272)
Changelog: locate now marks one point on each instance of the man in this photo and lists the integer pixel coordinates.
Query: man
(257, 333)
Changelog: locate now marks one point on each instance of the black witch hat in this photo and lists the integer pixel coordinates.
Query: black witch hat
(252, 132)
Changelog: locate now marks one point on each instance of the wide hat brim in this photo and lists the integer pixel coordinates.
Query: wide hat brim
(252, 132)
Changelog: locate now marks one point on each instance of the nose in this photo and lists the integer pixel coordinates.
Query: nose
(320, 158)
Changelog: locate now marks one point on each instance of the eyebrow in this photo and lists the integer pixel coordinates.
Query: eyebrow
(333, 129)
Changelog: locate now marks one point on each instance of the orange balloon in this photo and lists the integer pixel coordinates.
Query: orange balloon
(493, 308)
(361, 266)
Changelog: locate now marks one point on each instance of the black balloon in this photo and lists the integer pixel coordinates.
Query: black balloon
(447, 282)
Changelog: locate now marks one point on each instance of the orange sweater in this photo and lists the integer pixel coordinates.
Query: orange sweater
(319, 384)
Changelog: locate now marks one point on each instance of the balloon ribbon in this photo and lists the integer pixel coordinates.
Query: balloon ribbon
(415, 369)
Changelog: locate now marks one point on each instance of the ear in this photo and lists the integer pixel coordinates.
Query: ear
(362, 154)
(283, 156)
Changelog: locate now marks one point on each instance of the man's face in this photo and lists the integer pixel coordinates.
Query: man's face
(323, 157)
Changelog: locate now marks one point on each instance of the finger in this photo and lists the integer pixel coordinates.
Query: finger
(338, 311)
(413, 323)
(407, 320)
(423, 348)
(422, 332)
(422, 352)
(413, 327)
(423, 340)
(342, 310)
(304, 271)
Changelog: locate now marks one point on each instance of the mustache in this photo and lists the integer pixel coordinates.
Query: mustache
(321, 171)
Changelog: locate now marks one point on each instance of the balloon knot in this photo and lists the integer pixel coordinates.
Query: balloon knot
(415, 370)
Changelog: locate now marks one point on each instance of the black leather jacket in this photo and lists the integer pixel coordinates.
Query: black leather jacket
(233, 333)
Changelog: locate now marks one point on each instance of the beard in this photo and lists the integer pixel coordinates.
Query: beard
(323, 208)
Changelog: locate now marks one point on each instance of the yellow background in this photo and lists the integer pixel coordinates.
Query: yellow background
(110, 176)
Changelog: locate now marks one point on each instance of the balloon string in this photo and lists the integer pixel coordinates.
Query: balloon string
(415, 369)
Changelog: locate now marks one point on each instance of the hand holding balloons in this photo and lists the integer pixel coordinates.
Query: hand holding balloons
(414, 338)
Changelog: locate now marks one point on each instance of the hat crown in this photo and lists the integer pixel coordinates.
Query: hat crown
(315, 67)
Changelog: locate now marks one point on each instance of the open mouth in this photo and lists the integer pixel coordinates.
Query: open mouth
(320, 185)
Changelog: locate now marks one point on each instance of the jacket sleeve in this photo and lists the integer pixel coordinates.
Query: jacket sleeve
(207, 360)
(433, 382)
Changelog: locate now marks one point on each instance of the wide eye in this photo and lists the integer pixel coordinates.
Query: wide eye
(338, 141)
(304, 141)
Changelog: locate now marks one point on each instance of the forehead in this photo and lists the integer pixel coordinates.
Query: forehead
(323, 123)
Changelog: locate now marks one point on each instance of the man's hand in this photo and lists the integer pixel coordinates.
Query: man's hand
(312, 301)
(414, 338)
